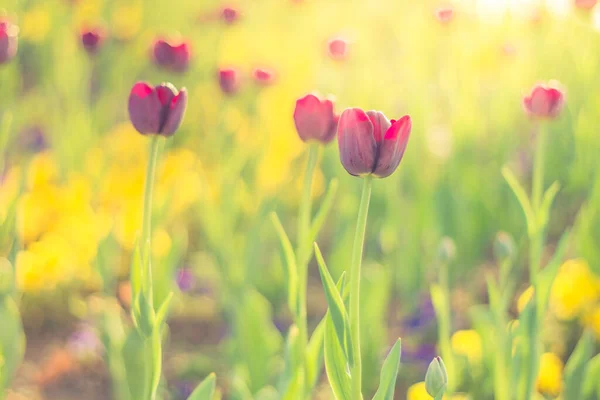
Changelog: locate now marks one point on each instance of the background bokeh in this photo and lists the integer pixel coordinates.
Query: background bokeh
(73, 171)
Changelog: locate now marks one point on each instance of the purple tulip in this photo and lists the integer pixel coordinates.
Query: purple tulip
(156, 110)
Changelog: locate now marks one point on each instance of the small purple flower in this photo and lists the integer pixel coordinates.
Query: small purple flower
(185, 279)
(84, 342)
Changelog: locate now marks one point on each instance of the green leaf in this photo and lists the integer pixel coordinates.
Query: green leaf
(324, 210)
(547, 201)
(337, 310)
(163, 310)
(336, 365)
(136, 354)
(314, 355)
(205, 390)
(290, 381)
(591, 383)
(12, 341)
(389, 373)
(576, 366)
(522, 198)
(291, 270)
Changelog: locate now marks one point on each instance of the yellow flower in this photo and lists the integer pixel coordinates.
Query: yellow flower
(417, 392)
(468, 344)
(42, 171)
(161, 243)
(549, 379)
(574, 290)
(36, 23)
(524, 299)
(127, 20)
(592, 320)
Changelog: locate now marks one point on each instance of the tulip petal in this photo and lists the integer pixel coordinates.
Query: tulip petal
(380, 124)
(175, 113)
(357, 145)
(391, 149)
(145, 109)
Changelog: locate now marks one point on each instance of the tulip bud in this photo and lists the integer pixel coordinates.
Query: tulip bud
(436, 378)
(264, 77)
(171, 56)
(370, 144)
(92, 39)
(447, 250)
(156, 110)
(229, 80)
(229, 15)
(544, 102)
(338, 49)
(8, 41)
(185, 279)
(444, 15)
(315, 119)
(504, 246)
(585, 4)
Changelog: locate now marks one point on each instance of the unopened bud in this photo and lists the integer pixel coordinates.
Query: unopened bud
(436, 378)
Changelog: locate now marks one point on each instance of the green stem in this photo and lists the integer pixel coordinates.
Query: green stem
(536, 245)
(303, 254)
(147, 212)
(444, 326)
(156, 357)
(355, 266)
(538, 168)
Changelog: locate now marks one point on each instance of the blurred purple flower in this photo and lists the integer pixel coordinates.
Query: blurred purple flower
(422, 317)
(420, 354)
(84, 342)
(185, 279)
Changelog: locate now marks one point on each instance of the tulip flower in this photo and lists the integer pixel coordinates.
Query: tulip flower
(585, 4)
(92, 39)
(544, 102)
(229, 15)
(444, 14)
(8, 41)
(264, 77)
(338, 48)
(315, 119)
(370, 144)
(171, 56)
(156, 110)
(229, 80)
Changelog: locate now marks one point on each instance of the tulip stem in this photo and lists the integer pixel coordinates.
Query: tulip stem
(538, 168)
(155, 355)
(303, 253)
(355, 267)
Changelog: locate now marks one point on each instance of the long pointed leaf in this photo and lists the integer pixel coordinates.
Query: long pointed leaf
(519, 192)
(291, 270)
(324, 210)
(337, 310)
(205, 390)
(389, 373)
(576, 367)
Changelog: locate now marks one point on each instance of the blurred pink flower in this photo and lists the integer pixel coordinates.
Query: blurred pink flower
(444, 14)
(92, 39)
(337, 48)
(8, 40)
(315, 119)
(174, 56)
(229, 80)
(263, 76)
(585, 4)
(545, 101)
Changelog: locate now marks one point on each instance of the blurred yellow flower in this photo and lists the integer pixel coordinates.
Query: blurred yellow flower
(591, 320)
(127, 19)
(36, 23)
(574, 290)
(161, 243)
(42, 170)
(468, 344)
(417, 392)
(524, 299)
(549, 381)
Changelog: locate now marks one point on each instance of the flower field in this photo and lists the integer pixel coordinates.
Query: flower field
(299, 199)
